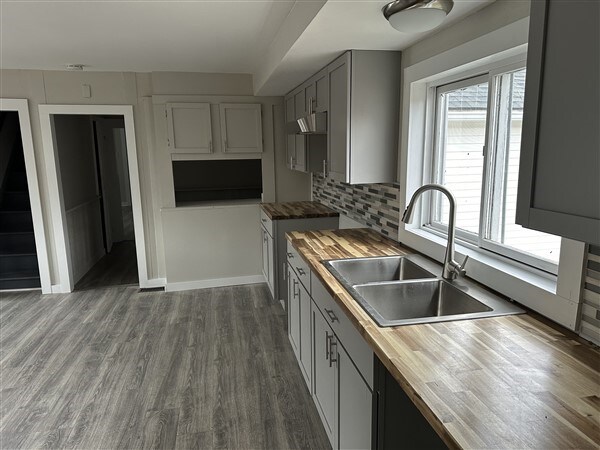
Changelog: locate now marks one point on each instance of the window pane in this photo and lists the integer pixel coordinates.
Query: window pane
(507, 137)
(461, 137)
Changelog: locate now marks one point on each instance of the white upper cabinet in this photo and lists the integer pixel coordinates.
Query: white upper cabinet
(559, 181)
(241, 128)
(364, 105)
(189, 128)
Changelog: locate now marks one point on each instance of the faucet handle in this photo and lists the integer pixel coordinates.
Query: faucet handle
(461, 269)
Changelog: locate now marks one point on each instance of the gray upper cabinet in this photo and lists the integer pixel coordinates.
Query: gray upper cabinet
(364, 103)
(241, 127)
(338, 118)
(189, 128)
(559, 178)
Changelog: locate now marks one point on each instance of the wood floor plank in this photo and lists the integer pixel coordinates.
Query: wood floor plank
(119, 368)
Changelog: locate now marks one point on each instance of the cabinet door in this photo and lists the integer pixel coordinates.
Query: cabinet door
(559, 186)
(294, 311)
(241, 128)
(290, 116)
(321, 94)
(339, 96)
(355, 406)
(305, 336)
(271, 264)
(189, 128)
(324, 373)
(300, 147)
(300, 103)
(265, 255)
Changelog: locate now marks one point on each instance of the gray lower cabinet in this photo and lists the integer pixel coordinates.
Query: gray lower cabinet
(325, 372)
(330, 351)
(274, 253)
(355, 405)
(294, 311)
(267, 259)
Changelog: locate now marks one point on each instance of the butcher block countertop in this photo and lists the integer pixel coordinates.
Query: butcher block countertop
(297, 210)
(503, 382)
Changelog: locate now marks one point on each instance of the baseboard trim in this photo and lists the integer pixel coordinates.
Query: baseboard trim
(153, 283)
(217, 282)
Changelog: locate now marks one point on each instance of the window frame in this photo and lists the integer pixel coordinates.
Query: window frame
(432, 167)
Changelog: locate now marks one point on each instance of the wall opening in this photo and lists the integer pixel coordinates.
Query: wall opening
(199, 183)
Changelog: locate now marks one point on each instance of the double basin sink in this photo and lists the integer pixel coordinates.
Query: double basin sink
(403, 290)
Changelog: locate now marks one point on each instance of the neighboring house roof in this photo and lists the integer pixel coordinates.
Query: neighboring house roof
(475, 97)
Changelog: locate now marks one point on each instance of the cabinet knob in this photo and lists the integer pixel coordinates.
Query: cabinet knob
(300, 271)
(290, 255)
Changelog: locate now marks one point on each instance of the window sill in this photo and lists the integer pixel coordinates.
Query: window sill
(528, 286)
(536, 277)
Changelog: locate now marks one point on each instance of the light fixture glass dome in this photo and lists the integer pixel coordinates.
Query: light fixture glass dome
(415, 16)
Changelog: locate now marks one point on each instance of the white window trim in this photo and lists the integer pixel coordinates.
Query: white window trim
(555, 297)
(458, 81)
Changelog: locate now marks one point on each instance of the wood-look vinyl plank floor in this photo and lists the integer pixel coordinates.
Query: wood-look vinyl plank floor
(119, 267)
(119, 368)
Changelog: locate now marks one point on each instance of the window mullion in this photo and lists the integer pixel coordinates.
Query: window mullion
(488, 151)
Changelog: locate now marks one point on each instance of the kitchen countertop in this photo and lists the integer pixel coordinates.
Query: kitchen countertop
(297, 210)
(502, 382)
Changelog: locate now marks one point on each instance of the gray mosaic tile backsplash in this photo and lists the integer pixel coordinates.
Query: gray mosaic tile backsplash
(374, 205)
(590, 310)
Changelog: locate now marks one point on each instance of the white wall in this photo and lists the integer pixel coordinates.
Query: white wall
(126, 88)
(76, 161)
(212, 246)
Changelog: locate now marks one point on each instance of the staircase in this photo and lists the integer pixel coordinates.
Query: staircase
(18, 258)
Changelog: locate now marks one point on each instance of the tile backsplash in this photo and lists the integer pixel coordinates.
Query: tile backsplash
(376, 206)
(590, 310)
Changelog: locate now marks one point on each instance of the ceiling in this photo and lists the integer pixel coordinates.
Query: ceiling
(280, 42)
(141, 36)
(342, 25)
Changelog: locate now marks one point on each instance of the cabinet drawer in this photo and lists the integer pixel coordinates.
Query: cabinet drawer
(300, 266)
(266, 222)
(354, 344)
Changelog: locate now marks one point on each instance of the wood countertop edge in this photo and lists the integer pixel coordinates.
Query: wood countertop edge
(304, 211)
(362, 328)
(364, 324)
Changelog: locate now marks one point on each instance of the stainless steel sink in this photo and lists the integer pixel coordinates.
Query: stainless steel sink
(378, 269)
(403, 290)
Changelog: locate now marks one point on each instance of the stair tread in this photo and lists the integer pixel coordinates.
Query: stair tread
(23, 275)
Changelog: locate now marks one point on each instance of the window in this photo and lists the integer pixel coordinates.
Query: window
(476, 155)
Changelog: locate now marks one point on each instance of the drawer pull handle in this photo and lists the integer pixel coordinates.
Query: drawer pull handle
(264, 220)
(331, 315)
(294, 286)
(333, 352)
(300, 271)
(327, 341)
(290, 255)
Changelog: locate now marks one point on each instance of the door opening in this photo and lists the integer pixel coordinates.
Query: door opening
(18, 255)
(94, 175)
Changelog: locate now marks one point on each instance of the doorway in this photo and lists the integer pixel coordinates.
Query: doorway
(23, 251)
(95, 194)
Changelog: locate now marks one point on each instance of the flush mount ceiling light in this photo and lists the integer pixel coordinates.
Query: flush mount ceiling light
(415, 16)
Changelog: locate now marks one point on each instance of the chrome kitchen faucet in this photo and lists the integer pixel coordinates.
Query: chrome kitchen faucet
(452, 269)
